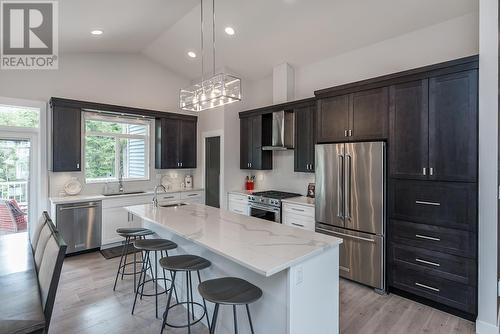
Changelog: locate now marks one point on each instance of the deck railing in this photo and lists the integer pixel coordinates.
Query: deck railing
(17, 190)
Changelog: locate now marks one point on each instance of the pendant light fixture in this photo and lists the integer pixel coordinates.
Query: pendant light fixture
(216, 91)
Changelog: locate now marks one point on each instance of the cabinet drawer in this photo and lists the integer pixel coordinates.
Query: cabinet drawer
(452, 267)
(301, 210)
(120, 202)
(238, 198)
(191, 195)
(436, 238)
(422, 283)
(169, 197)
(437, 203)
(299, 221)
(238, 208)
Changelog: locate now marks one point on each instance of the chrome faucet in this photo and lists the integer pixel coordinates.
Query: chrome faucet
(155, 198)
(120, 180)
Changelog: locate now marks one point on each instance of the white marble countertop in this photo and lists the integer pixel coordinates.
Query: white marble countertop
(262, 246)
(100, 197)
(302, 200)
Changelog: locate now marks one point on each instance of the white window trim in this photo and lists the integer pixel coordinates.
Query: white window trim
(90, 115)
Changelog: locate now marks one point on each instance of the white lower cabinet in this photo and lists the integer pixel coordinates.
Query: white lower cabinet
(296, 215)
(238, 203)
(193, 197)
(114, 216)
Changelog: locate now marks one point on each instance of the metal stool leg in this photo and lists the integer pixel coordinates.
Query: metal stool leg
(127, 243)
(146, 261)
(187, 290)
(204, 302)
(156, 283)
(214, 319)
(137, 289)
(249, 319)
(168, 304)
(119, 266)
(191, 291)
(235, 320)
(135, 267)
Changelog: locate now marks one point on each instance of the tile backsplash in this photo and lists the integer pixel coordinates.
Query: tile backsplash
(171, 178)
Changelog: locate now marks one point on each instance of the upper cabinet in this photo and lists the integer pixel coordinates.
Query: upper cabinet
(332, 119)
(409, 130)
(175, 142)
(304, 139)
(369, 116)
(434, 128)
(66, 138)
(453, 127)
(357, 116)
(255, 132)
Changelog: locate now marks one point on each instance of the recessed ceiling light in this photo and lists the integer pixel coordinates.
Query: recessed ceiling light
(229, 31)
(96, 32)
(192, 54)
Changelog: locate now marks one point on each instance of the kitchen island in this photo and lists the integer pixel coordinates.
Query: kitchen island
(297, 270)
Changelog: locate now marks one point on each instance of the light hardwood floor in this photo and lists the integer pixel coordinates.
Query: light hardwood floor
(86, 303)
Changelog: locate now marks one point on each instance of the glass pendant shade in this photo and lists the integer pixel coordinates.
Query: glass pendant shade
(216, 91)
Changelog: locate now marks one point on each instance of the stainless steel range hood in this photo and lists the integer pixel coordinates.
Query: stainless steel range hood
(283, 131)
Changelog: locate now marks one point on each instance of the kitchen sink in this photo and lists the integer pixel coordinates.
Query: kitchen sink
(125, 193)
(172, 205)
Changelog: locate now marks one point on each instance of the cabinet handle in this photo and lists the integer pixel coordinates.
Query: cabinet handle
(350, 133)
(428, 203)
(426, 287)
(427, 262)
(294, 224)
(191, 195)
(345, 133)
(426, 237)
(168, 197)
(424, 171)
(431, 171)
(295, 209)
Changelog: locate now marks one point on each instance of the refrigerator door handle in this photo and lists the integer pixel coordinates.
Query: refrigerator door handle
(340, 187)
(348, 187)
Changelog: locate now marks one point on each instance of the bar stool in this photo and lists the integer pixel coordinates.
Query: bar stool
(130, 234)
(188, 264)
(148, 246)
(229, 291)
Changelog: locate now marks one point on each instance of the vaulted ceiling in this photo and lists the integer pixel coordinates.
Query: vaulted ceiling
(268, 32)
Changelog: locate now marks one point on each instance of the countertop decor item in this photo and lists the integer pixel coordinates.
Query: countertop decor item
(73, 187)
(311, 190)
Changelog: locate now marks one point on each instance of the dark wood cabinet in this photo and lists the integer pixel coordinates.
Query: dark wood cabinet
(362, 115)
(332, 119)
(255, 132)
(176, 143)
(304, 139)
(453, 127)
(433, 128)
(369, 116)
(409, 130)
(66, 138)
(448, 204)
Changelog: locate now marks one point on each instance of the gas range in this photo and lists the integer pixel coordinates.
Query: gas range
(270, 197)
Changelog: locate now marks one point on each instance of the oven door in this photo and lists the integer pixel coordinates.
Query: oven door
(265, 212)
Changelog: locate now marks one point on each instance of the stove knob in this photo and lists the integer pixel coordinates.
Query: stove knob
(262, 200)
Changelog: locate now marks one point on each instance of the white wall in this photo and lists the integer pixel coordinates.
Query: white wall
(129, 80)
(122, 79)
(488, 167)
(452, 39)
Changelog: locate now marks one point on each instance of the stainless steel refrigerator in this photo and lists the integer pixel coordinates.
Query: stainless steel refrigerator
(350, 204)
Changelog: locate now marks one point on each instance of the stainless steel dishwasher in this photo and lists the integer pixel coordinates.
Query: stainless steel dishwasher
(80, 225)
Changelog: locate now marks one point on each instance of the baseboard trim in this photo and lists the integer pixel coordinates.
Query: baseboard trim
(486, 328)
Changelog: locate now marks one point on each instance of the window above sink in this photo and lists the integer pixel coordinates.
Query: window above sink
(115, 147)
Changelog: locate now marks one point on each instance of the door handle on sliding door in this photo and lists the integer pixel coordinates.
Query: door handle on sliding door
(348, 186)
(340, 187)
